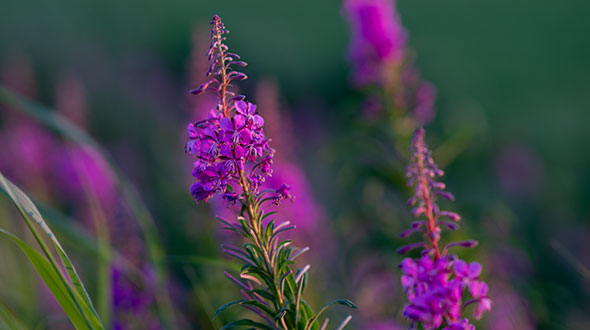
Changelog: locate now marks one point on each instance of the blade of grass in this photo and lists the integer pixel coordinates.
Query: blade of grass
(144, 219)
(204, 304)
(8, 319)
(53, 281)
(99, 219)
(30, 214)
(573, 261)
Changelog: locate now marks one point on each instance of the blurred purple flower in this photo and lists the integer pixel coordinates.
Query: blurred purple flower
(511, 311)
(519, 170)
(71, 100)
(28, 146)
(375, 287)
(378, 38)
(81, 172)
(304, 211)
(460, 325)
(379, 56)
(133, 300)
(424, 108)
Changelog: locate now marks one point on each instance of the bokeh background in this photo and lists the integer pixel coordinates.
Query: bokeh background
(511, 131)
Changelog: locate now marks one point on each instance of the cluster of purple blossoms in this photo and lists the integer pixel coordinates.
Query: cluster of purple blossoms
(378, 37)
(28, 166)
(47, 166)
(435, 291)
(83, 171)
(234, 159)
(435, 282)
(304, 212)
(380, 57)
(230, 146)
(226, 148)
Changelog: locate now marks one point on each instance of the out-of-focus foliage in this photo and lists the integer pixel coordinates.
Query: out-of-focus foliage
(510, 131)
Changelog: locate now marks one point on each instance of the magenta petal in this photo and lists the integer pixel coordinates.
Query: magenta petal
(251, 108)
(245, 136)
(240, 121)
(192, 132)
(409, 267)
(242, 107)
(226, 124)
(460, 268)
(258, 121)
(475, 269)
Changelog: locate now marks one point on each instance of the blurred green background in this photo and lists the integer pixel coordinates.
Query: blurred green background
(512, 80)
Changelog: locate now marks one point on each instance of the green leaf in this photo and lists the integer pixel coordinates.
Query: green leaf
(261, 273)
(260, 306)
(140, 211)
(53, 282)
(265, 294)
(225, 306)
(28, 210)
(8, 319)
(246, 322)
(269, 229)
(280, 313)
(266, 215)
(307, 314)
(70, 230)
(344, 302)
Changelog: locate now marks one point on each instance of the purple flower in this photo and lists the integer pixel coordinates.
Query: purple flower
(378, 53)
(247, 111)
(436, 282)
(424, 103)
(133, 300)
(230, 145)
(511, 311)
(283, 192)
(378, 38)
(460, 325)
(29, 145)
(226, 148)
(468, 272)
(234, 159)
(81, 171)
(30, 148)
(519, 170)
(479, 291)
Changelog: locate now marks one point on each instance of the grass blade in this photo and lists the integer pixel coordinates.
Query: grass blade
(53, 282)
(144, 219)
(29, 212)
(8, 319)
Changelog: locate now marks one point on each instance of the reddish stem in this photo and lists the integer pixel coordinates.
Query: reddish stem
(427, 199)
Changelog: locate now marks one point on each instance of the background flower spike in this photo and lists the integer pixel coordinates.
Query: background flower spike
(435, 282)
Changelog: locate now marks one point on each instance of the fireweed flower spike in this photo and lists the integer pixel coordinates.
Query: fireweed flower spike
(382, 64)
(435, 282)
(233, 158)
